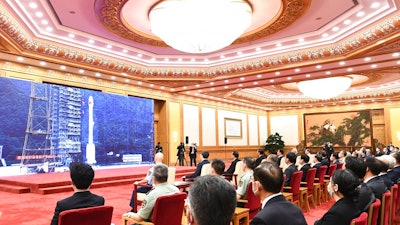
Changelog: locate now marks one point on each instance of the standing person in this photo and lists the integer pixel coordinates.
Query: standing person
(343, 187)
(193, 154)
(148, 180)
(82, 177)
(161, 187)
(181, 154)
(236, 159)
(275, 209)
(207, 204)
(158, 148)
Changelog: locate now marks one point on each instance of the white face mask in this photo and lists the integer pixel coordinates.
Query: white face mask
(330, 191)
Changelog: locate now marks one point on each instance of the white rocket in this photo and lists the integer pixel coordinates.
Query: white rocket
(90, 148)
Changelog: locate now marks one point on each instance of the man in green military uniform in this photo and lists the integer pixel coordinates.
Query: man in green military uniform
(161, 187)
(248, 166)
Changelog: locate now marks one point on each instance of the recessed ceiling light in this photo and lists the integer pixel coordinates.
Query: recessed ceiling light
(71, 35)
(81, 71)
(139, 55)
(259, 76)
(112, 77)
(226, 81)
(98, 74)
(398, 62)
(44, 22)
(375, 5)
(342, 63)
(335, 29)
(308, 75)
(297, 70)
(289, 78)
(278, 45)
(318, 67)
(301, 40)
(109, 46)
(347, 22)
(166, 59)
(374, 66)
(151, 85)
(258, 49)
(162, 87)
(172, 89)
(124, 74)
(240, 85)
(328, 72)
(42, 63)
(125, 51)
(127, 80)
(367, 59)
(193, 59)
(325, 35)
(20, 58)
(153, 59)
(212, 89)
(197, 85)
(239, 52)
(49, 29)
(255, 83)
(211, 83)
(39, 14)
(91, 41)
(242, 78)
(396, 54)
(205, 60)
(33, 5)
(271, 81)
(277, 73)
(349, 69)
(221, 56)
(226, 87)
(180, 60)
(63, 67)
(360, 14)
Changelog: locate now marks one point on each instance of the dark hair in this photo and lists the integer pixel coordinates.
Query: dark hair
(281, 151)
(396, 155)
(335, 155)
(212, 200)
(356, 165)
(373, 165)
(318, 157)
(322, 153)
(305, 157)
(236, 154)
(344, 152)
(291, 157)
(249, 162)
(205, 154)
(270, 176)
(261, 151)
(347, 183)
(160, 173)
(273, 158)
(81, 175)
(384, 164)
(218, 166)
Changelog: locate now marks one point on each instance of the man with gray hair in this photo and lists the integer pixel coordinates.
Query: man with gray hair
(211, 200)
(161, 187)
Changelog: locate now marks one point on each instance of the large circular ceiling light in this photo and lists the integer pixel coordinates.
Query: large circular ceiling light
(325, 88)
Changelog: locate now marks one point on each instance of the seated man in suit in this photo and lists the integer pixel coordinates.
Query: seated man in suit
(359, 167)
(211, 200)
(161, 187)
(290, 160)
(82, 176)
(394, 173)
(232, 167)
(383, 175)
(279, 153)
(304, 166)
(204, 157)
(372, 179)
(275, 209)
(217, 167)
(260, 157)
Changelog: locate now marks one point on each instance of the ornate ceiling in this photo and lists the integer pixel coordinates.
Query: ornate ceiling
(288, 41)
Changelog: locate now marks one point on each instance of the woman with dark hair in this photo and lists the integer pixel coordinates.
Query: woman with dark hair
(343, 187)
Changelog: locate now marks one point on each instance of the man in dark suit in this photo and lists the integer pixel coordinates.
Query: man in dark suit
(232, 167)
(394, 174)
(193, 154)
(372, 179)
(204, 157)
(268, 178)
(82, 176)
(359, 167)
(261, 156)
(383, 175)
(305, 166)
(279, 153)
(290, 160)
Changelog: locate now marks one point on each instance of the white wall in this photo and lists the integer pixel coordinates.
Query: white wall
(263, 129)
(209, 128)
(222, 114)
(253, 130)
(191, 123)
(287, 127)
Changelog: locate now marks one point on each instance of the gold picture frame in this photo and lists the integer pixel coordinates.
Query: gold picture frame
(233, 128)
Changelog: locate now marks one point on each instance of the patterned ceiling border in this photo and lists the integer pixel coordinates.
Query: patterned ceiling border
(108, 13)
(10, 27)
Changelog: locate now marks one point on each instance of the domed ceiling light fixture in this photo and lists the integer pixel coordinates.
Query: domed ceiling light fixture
(200, 26)
(325, 88)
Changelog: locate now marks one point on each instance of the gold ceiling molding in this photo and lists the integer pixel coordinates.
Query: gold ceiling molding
(38, 48)
(109, 15)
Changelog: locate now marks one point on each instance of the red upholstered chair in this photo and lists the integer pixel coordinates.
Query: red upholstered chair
(99, 215)
(339, 166)
(385, 209)
(294, 187)
(393, 203)
(361, 220)
(168, 210)
(319, 185)
(373, 212)
(252, 202)
(309, 186)
(331, 170)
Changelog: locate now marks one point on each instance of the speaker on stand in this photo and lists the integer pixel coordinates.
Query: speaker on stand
(225, 142)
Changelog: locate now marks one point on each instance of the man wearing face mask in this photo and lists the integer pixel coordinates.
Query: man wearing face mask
(268, 179)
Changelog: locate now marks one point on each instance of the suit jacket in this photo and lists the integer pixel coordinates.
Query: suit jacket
(279, 160)
(258, 160)
(305, 169)
(342, 212)
(365, 198)
(288, 172)
(78, 200)
(377, 187)
(198, 169)
(279, 211)
(386, 180)
(394, 174)
(232, 167)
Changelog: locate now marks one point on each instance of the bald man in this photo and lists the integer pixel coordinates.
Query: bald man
(148, 180)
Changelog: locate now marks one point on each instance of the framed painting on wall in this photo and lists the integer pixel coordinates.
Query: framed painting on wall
(344, 129)
(233, 128)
